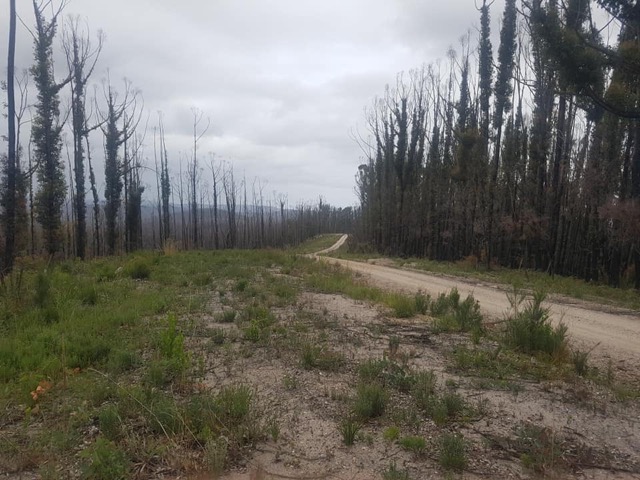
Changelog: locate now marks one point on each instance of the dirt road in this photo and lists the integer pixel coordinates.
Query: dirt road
(615, 333)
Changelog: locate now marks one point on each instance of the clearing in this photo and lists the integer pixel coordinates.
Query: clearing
(261, 365)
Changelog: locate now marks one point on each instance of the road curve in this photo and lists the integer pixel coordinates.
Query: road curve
(613, 333)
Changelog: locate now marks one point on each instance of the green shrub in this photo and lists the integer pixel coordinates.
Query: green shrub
(394, 345)
(452, 452)
(163, 372)
(454, 404)
(49, 314)
(467, 315)
(260, 315)
(530, 331)
(290, 382)
(164, 416)
(202, 279)
(399, 377)
(539, 448)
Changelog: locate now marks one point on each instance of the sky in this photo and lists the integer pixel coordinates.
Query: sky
(284, 83)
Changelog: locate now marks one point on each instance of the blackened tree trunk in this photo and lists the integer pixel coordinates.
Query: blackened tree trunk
(81, 60)
(10, 187)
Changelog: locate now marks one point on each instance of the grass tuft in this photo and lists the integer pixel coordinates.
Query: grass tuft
(452, 452)
(393, 473)
(349, 428)
(414, 444)
(371, 401)
(104, 460)
(138, 269)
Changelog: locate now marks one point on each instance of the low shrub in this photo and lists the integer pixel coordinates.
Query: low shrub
(530, 331)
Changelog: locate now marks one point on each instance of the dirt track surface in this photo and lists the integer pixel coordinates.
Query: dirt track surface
(612, 333)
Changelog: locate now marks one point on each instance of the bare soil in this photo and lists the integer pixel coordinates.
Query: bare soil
(592, 434)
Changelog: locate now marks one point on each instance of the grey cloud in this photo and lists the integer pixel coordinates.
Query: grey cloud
(285, 82)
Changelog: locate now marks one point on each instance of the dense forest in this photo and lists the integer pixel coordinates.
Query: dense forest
(526, 155)
(53, 205)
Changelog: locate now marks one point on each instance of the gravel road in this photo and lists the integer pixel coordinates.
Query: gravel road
(613, 333)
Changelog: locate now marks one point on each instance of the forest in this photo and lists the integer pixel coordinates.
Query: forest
(52, 204)
(524, 155)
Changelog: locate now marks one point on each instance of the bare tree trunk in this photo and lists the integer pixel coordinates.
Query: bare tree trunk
(10, 192)
(215, 173)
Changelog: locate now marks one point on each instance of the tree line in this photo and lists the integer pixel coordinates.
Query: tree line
(48, 207)
(526, 158)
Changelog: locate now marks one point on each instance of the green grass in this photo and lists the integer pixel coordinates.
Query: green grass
(105, 341)
(505, 365)
(317, 243)
(327, 278)
(392, 472)
(313, 356)
(414, 444)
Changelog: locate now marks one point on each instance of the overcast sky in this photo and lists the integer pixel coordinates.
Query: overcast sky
(284, 82)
